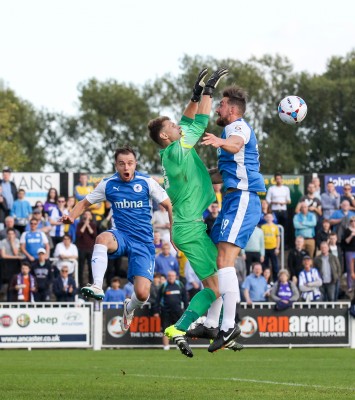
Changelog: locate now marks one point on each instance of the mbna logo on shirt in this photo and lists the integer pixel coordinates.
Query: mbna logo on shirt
(128, 204)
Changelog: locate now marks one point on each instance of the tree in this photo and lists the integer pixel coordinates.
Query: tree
(19, 133)
(116, 114)
(329, 128)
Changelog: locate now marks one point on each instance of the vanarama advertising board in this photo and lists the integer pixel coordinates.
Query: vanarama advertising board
(145, 330)
(323, 326)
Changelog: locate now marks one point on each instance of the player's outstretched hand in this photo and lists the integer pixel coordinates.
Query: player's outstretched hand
(199, 85)
(211, 140)
(65, 219)
(213, 81)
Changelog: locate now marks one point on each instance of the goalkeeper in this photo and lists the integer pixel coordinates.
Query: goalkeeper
(189, 187)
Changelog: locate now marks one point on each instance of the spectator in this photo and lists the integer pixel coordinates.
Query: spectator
(39, 206)
(8, 191)
(114, 268)
(317, 188)
(193, 284)
(284, 291)
(341, 216)
(154, 290)
(161, 223)
(57, 231)
(255, 249)
(9, 223)
(172, 301)
(278, 196)
(266, 209)
(23, 285)
(82, 188)
(211, 217)
(272, 244)
(86, 233)
(241, 270)
(67, 253)
(313, 202)
(309, 281)
(42, 224)
(181, 261)
(64, 287)
(98, 213)
(33, 240)
(3, 209)
(304, 223)
(114, 294)
(330, 200)
(165, 262)
(255, 285)
(10, 257)
(295, 259)
(158, 243)
(10, 247)
(70, 229)
(347, 195)
(42, 270)
(329, 270)
(128, 290)
(21, 210)
(335, 249)
(269, 281)
(217, 187)
(52, 200)
(324, 233)
(349, 250)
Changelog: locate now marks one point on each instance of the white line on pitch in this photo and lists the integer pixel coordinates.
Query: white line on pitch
(244, 380)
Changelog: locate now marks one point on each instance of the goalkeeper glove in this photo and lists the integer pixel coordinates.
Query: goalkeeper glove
(213, 81)
(199, 85)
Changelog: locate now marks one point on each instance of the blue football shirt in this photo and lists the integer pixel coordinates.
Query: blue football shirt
(131, 203)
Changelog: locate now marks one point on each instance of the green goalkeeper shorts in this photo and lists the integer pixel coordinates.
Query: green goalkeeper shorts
(191, 238)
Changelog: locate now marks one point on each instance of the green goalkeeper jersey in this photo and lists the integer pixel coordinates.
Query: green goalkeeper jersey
(186, 178)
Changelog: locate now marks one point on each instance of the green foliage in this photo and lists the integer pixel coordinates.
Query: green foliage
(19, 134)
(113, 114)
(119, 114)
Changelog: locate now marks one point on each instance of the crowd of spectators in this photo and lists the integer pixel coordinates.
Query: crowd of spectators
(43, 259)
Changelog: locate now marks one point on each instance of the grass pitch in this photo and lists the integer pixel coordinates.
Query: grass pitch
(260, 374)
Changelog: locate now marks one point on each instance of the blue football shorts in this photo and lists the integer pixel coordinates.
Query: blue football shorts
(141, 256)
(241, 212)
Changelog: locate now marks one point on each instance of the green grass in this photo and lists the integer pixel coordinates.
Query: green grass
(155, 374)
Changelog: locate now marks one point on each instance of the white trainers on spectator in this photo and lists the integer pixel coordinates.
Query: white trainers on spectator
(92, 291)
(127, 317)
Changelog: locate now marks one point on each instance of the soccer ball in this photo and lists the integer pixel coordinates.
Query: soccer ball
(292, 110)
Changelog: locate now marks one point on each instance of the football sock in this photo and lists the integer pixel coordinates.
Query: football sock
(213, 314)
(199, 304)
(99, 264)
(229, 289)
(135, 303)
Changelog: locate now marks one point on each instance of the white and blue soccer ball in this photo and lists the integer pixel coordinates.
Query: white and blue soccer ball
(292, 110)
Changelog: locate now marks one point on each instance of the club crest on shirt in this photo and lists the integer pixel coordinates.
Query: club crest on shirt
(137, 188)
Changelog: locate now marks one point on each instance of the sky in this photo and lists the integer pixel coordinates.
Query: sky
(48, 47)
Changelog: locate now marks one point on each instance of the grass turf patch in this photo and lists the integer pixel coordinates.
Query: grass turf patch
(320, 373)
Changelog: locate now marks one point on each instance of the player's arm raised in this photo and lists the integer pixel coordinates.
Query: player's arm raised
(79, 208)
(191, 108)
(195, 130)
(232, 145)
